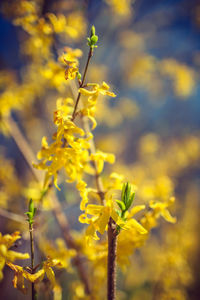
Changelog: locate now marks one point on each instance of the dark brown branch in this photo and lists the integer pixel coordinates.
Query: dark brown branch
(112, 254)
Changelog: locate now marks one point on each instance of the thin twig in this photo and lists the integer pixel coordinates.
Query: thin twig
(112, 230)
(34, 294)
(56, 206)
(112, 254)
(82, 83)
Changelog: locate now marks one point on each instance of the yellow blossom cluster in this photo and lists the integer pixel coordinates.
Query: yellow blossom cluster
(20, 274)
(8, 256)
(72, 149)
(43, 70)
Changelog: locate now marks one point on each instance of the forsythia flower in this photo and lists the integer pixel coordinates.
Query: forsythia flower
(100, 217)
(6, 255)
(129, 223)
(21, 274)
(69, 151)
(90, 106)
(70, 58)
(60, 252)
(100, 157)
(84, 192)
(158, 209)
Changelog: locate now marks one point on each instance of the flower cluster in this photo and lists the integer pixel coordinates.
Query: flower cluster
(8, 256)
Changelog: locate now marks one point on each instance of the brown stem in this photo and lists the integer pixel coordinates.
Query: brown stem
(56, 206)
(34, 294)
(92, 150)
(82, 83)
(112, 231)
(112, 254)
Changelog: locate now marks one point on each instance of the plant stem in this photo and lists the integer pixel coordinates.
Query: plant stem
(112, 254)
(34, 294)
(112, 229)
(57, 210)
(82, 83)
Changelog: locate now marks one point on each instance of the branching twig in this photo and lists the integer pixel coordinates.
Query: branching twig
(30, 218)
(112, 254)
(56, 206)
(112, 230)
(82, 83)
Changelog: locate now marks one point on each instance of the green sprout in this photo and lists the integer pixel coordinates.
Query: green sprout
(31, 212)
(126, 199)
(93, 39)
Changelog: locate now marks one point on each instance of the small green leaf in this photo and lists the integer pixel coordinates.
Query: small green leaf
(94, 39)
(31, 206)
(123, 191)
(31, 213)
(78, 75)
(121, 205)
(34, 212)
(130, 201)
(92, 30)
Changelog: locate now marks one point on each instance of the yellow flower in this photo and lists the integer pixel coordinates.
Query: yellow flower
(96, 90)
(58, 252)
(100, 157)
(158, 209)
(161, 209)
(131, 224)
(6, 255)
(69, 151)
(70, 58)
(100, 217)
(89, 107)
(20, 274)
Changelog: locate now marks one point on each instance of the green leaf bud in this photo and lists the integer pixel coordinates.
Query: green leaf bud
(121, 205)
(92, 31)
(94, 39)
(31, 206)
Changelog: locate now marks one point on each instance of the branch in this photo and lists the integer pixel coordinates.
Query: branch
(82, 83)
(112, 255)
(56, 206)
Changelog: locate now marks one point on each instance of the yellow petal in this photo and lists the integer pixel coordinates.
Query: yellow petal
(87, 92)
(167, 216)
(135, 210)
(50, 275)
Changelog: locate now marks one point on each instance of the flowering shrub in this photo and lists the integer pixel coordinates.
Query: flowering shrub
(118, 205)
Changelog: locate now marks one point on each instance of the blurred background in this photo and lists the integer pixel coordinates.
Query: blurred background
(149, 53)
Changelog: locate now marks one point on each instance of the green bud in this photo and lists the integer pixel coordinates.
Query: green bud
(94, 39)
(121, 205)
(78, 75)
(130, 201)
(92, 31)
(126, 196)
(31, 206)
(31, 213)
